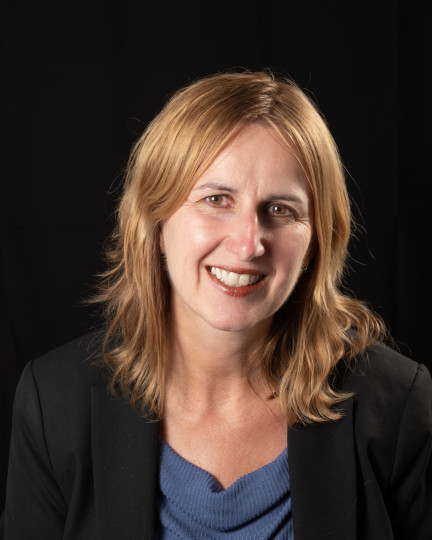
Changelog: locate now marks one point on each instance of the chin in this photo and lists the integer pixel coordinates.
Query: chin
(238, 324)
(229, 327)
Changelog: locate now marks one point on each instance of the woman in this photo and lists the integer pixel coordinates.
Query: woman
(235, 392)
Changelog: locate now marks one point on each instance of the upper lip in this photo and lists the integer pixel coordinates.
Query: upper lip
(249, 271)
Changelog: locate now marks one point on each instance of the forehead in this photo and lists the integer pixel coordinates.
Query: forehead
(255, 153)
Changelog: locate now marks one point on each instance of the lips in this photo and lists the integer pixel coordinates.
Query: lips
(235, 283)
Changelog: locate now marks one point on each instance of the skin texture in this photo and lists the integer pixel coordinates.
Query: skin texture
(251, 213)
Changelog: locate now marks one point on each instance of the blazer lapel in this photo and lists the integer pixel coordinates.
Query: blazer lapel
(125, 468)
(322, 464)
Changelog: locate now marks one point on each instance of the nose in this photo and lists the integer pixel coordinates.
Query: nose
(245, 239)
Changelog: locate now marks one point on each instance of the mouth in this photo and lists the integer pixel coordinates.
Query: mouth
(235, 283)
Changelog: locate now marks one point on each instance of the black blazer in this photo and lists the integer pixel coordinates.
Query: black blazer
(84, 465)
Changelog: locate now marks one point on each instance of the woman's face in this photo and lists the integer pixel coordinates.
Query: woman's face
(236, 246)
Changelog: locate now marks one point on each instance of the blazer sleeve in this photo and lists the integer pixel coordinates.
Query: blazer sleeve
(35, 507)
(411, 480)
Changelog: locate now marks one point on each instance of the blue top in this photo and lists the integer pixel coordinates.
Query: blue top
(193, 505)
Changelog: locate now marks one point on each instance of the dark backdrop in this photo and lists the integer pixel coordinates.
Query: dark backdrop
(80, 82)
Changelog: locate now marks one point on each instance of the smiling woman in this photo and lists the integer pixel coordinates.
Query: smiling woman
(249, 396)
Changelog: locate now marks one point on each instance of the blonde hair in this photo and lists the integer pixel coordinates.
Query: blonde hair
(317, 326)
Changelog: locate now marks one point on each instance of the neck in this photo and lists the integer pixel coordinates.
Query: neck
(209, 365)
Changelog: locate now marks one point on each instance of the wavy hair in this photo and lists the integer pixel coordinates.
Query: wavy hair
(317, 327)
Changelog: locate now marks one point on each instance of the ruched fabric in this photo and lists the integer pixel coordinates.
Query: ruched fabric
(193, 505)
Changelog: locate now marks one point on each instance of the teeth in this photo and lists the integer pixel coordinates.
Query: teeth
(233, 279)
(243, 280)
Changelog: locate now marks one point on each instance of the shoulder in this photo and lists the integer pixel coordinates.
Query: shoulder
(392, 426)
(391, 409)
(58, 384)
(386, 388)
(52, 407)
(385, 377)
(71, 365)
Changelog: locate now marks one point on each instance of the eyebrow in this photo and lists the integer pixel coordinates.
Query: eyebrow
(271, 197)
(286, 197)
(215, 185)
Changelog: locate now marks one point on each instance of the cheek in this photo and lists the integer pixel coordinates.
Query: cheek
(291, 251)
(205, 236)
(168, 237)
(189, 238)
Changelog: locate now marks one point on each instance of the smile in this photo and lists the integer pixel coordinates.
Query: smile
(233, 279)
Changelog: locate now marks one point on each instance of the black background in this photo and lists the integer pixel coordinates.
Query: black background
(80, 82)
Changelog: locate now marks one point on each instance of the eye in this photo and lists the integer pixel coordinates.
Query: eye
(279, 210)
(216, 200)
